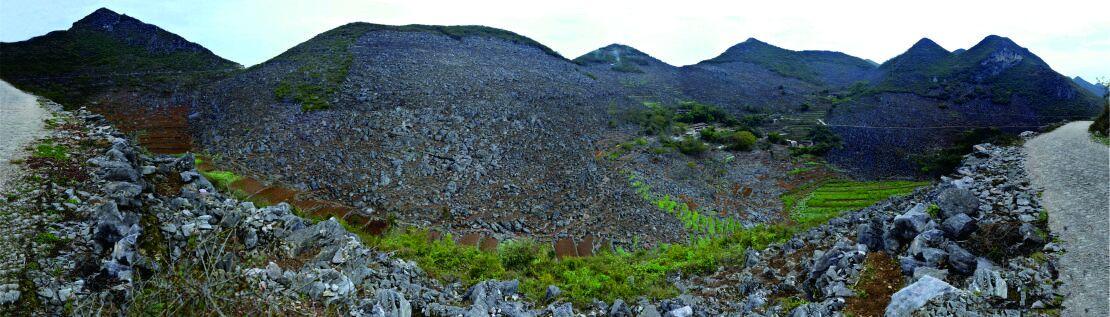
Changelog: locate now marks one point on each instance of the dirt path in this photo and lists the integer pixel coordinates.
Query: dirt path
(1075, 174)
(20, 122)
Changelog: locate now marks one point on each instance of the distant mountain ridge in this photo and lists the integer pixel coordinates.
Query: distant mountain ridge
(107, 51)
(371, 67)
(1098, 90)
(818, 67)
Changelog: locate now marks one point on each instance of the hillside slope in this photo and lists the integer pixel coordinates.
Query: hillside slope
(925, 100)
(474, 132)
(107, 51)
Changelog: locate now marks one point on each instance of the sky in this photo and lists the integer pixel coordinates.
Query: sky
(1073, 36)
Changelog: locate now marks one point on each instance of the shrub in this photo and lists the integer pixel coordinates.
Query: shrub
(1101, 126)
(690, 146)
(947, 159)
(933, 211)
(741, 141)
(519, 254)
(776, 138)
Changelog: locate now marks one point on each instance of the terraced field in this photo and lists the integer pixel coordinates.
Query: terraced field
(796, 126)
(826, 200)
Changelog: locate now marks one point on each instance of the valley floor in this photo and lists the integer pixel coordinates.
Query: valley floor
(21, 122)
(1075, 174)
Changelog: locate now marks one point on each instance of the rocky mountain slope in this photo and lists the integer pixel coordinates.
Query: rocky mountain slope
(1098, 90)
(458, 127)
(925, 99)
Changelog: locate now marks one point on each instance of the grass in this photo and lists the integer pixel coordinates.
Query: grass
(48, 149)
(695, 221)
(826, 200)
(605, 276)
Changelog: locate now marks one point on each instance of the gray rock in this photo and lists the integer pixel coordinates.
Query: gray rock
(912, 297)
(648, 310)
(923, 271)
(867, 235)
(987, 281)
(684, 311)
(959, 226)
(954, 200)
(934, 257)
(961, 260)
(910, 223)
(564, 310)
(124, 193)
(118, 171)
(619, 309)
(553, 292)
(1030, 235)
(189, 176)
(391, 304)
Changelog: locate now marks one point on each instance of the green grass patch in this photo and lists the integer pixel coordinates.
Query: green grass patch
(605, 276)
(701, 223)
(223, 179)
(47, 149)
(823, 201)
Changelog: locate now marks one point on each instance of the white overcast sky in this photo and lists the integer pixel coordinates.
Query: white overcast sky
(1072, 36)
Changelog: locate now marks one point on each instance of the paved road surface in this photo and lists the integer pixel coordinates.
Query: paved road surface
(1075, 174)
(20, 122)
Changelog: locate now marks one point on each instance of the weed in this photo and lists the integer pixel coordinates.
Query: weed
(222, 179)
(933, 210)
(47, 149)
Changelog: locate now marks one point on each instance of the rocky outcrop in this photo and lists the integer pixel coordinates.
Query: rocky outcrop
(954, 260)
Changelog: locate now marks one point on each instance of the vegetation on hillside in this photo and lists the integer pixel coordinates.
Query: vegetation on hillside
(70, 67)
(1101, 126)
(961, 78)
(823, 140)
(324, 61)
(786, 62)
(946, 159)
(621, 58)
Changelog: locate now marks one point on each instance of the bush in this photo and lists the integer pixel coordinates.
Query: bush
(702, 113)
(1101, 126)
(947, 159)
(776, 138)
(518, 255)
(690, 146)
(741, 141)
(823, 141)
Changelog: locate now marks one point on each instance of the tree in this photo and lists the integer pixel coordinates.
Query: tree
(741, 141)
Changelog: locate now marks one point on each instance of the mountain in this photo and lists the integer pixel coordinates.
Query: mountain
(626, 71)
(1098, 90)
(816, 67)
(464, 128)
(107, 51)
(621, 58)
(913, 65)
(926, 99)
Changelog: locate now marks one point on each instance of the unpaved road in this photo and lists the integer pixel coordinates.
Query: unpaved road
(20, 123)
(1075, 174)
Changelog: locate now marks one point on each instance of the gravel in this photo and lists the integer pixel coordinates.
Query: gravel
(1074, 172)
(21, 117)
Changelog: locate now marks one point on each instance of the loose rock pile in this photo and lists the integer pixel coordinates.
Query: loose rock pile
(974, 244)
(131, 221)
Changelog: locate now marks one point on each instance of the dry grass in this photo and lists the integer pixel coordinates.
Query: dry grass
(881, 278)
